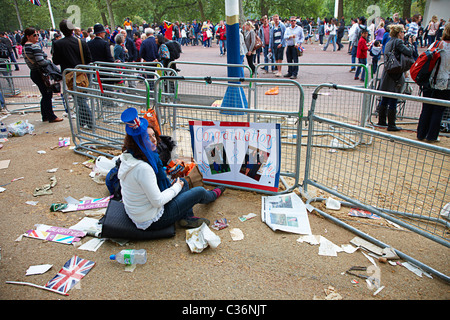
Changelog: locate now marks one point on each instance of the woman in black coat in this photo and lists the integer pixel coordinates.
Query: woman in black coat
(393, 82)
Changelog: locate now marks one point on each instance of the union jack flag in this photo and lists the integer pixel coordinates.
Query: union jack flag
(36, 2)
(70, 274)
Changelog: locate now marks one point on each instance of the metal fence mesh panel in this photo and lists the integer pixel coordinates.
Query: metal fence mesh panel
(198, 100)
(406, 179)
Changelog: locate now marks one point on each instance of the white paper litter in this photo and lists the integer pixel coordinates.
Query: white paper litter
(199, 238)
(88, 225)
(328, 248)
(309, 238)
(332, 204)
(236, 234)
(52, 170)
(415, 269)
(32, 203)
(39, 269)
(92, 245)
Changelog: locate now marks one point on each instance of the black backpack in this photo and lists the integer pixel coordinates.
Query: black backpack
(174, 49)
(4, 52)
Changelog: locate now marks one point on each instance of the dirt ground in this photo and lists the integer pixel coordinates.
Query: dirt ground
(265, 265)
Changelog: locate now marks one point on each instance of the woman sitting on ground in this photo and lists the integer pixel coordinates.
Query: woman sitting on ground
(150, 200)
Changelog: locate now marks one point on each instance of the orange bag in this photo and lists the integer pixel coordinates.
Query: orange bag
(272, 91)
(152, 119)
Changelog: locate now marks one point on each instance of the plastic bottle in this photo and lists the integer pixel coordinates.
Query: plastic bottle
(130, 256)
(3, 131)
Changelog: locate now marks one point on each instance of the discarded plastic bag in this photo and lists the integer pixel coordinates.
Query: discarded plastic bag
(20, 128)
(199, 238)
(101, 169)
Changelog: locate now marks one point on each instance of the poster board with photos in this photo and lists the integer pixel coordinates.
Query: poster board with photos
(240, 154)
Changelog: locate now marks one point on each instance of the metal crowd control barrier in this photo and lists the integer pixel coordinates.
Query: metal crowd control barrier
(20, 90)
(402, 180)
(175, 117)
(348, 107)
(212, 64)
(95, 116)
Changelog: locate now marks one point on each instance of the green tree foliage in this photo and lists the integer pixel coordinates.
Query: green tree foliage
(93, 11)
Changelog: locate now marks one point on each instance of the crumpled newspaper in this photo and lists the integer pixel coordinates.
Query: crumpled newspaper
(45, 189)
(199, 238)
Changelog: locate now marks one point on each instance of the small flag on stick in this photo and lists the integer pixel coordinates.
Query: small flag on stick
(70, 274)
(36, 2)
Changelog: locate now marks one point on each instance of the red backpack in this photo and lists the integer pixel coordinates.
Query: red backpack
(421, 70)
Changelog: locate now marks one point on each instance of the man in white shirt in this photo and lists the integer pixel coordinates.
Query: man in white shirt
(352, 33)
(294, 38)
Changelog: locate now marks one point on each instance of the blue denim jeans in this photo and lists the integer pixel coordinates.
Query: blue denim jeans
(181, 206)
(266, 59)
(354, 51)
(360, 69)
(223, 46)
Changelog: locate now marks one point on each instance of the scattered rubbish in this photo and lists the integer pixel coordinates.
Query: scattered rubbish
(236, 234)
(378, 290)
(130, 256)
(286, 213)
(45, 189)
(357, 268)
(272, 91)
(36, 286)
(199, 238)
(348, 248)
(394, 224)
(55, 234)
(247, 217)
(101, 169)
(4, 164)
(411, 267)
(309, 238)
(20, 128)
(445, 212)
(64, 142)
(52, 170)
(32, 203)
(331, 294)
(88, 204)
(328, 248)
(41, 152)
(39, 269)
(335, 144)
(220, 224)
(88, 225)
(92, 245)
(69, 275)
(16, 179)
(332, 204)
(362, 214)
(2, 189)
(369, 258)
(360, 242)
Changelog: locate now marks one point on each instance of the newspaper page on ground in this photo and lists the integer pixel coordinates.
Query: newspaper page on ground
(286, 213)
